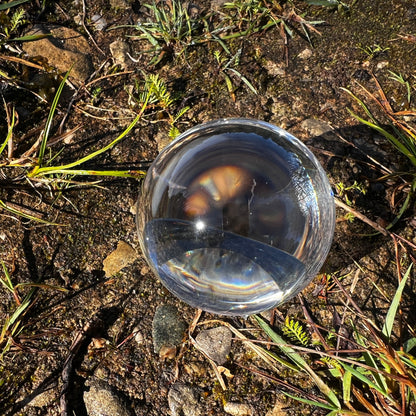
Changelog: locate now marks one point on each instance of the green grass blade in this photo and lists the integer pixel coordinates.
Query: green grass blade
(66, 168)
(364, 379)
(22, 307)
(346, 386)
(409, 344)
(244, 79)
(30, 38)
(39, 171)
(135, 174)
(370, 361)
(299, 361)
(391, 314)
(11, 4)
(280, 360)
(50, 119)
(7, 283)
(397, 143)
(9, 132)
(361, 103)
(326, 406)
(24, 215)
(408, 359)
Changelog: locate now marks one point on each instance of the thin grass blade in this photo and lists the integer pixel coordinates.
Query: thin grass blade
(298, 360)
(30, 38)
(22, 307)
(7, 283)
(399, 145)
(11, 4)
(244, 79)
(346, 386)
(24, 215)
(364, 379)
(50, 119)
(391, 314)
(409, 344)
(361, 103)
(135, 174)
(9, 132)
(39, 171)
(322, 405)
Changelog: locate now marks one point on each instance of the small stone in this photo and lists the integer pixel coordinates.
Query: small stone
(316, 127)
(64, 48)
(305, 54)
(274, 69)
(238, 409)
(144, 271)
(278, 410)
(162, 139)
(100, 400)
(183, 400)
(382, 64)
(120, 51)
(133, 209)
(215, 343)
(167, 353)
(99, 22)
(45, 398)
(168, 329)
(138, 336)
(121, 257)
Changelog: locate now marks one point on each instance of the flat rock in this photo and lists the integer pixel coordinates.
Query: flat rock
(62, 49)
(121, 257)
(182, 400)
(215, 343)
(168, 329)
(316, 127)
(100, 400)
(238, 409)
(120, 51)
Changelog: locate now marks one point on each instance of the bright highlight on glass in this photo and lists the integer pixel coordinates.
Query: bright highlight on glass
(235, 216)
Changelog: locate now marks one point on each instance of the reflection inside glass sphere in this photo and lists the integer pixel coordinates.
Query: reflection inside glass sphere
(235, 216)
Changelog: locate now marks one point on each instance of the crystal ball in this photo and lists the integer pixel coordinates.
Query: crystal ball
(235, 216)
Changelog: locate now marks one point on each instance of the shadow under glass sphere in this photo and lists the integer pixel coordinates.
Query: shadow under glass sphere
(235, 216)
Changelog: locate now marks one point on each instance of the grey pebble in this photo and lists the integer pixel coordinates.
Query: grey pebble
(168, 328)
(316, 127)
(183, 400)
(101, 400)
(215, 343)
(120, 51)
(99, 22)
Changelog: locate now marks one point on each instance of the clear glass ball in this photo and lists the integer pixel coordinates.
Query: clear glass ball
(235, 216)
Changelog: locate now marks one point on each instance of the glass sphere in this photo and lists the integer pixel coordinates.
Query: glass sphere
(235, 216)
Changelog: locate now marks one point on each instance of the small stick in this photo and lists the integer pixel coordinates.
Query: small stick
(362, 217)
(84, 13)
(78, 342)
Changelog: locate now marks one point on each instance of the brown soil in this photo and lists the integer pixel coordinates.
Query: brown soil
(94, 218)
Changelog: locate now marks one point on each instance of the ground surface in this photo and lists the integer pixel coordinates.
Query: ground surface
(298, 88)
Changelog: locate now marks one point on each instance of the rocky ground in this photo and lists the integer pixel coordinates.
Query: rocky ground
(102, 336)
